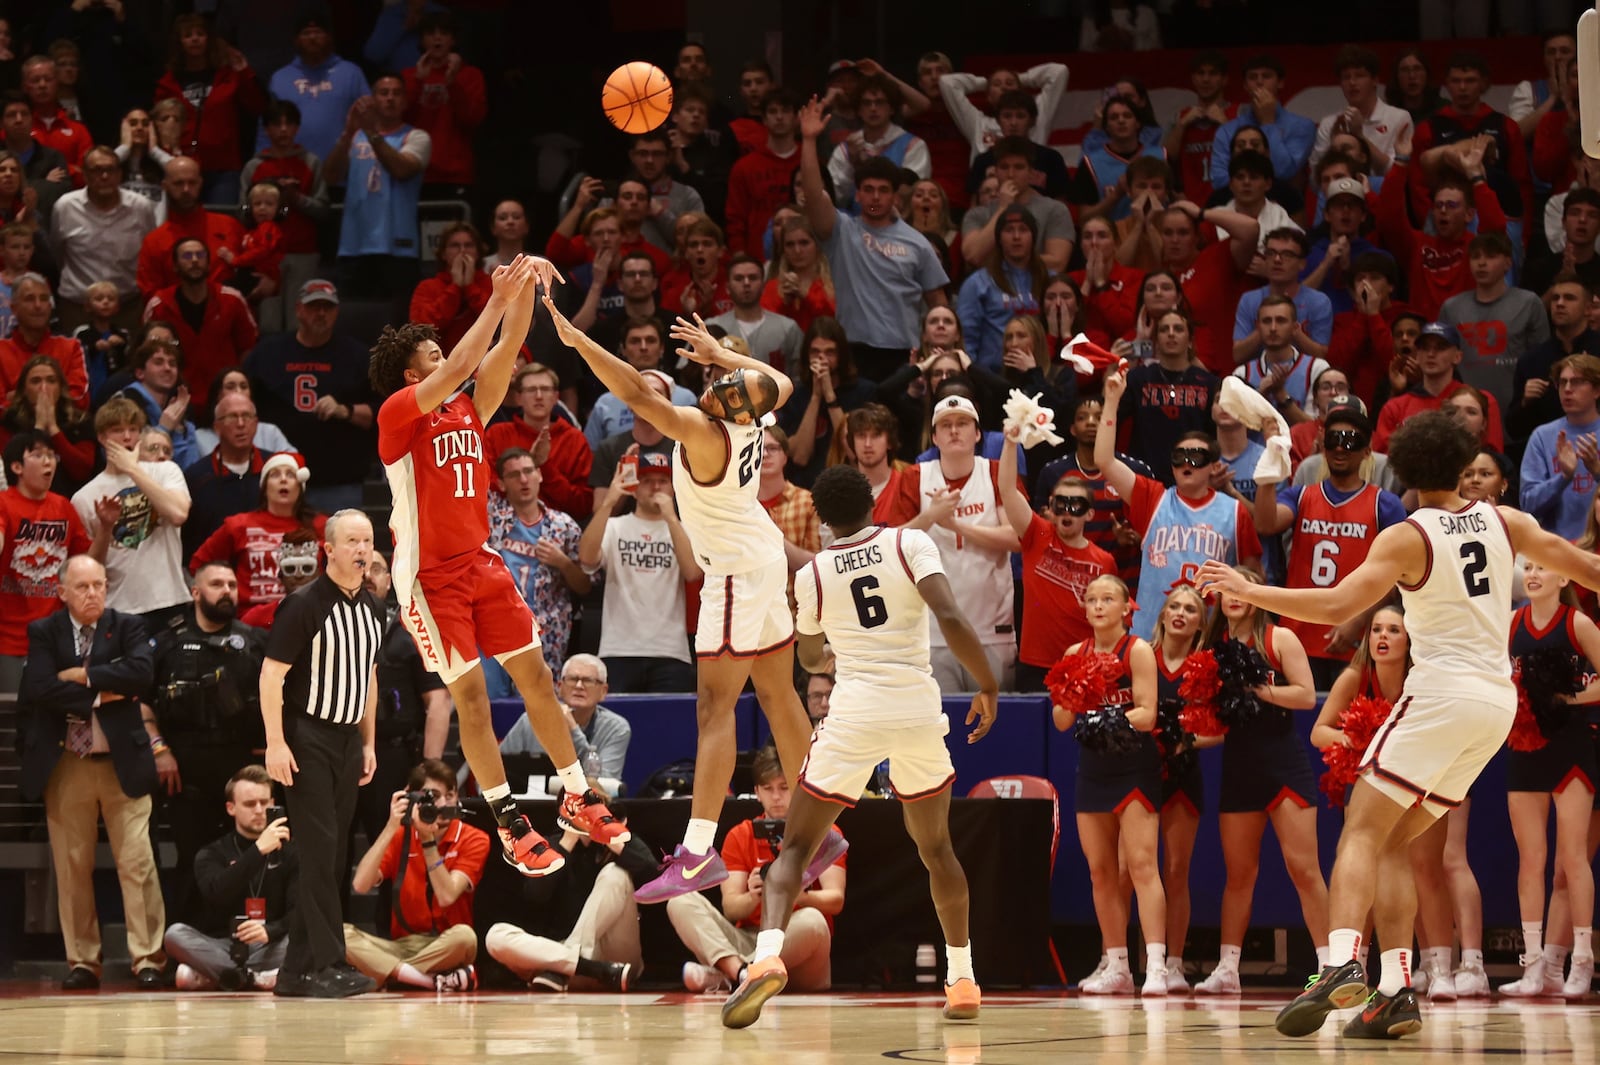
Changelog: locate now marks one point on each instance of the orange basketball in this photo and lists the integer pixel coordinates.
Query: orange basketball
(637, 97)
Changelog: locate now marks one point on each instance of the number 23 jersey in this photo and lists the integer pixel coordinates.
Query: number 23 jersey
(729, 529)
(862, 593)
(439, 479)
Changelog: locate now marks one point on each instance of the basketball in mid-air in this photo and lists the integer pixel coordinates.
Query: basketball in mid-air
(637, 97)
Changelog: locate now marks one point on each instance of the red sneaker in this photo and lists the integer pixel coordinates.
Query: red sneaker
(587, 815)
(762, 980)
(962, 1000)
(526, 851)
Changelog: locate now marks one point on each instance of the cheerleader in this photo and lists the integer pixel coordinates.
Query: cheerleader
(1117, 792)
(1563, 769)
(1266, 777)
(1378, 672)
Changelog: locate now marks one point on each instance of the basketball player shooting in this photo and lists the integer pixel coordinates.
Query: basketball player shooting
(456, 596)
(746, 632)
(870, 594)
(1452, 561)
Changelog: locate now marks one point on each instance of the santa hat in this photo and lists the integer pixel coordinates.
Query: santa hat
(1087, 357)
(290, 459)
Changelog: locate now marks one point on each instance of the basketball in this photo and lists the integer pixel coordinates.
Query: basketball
(637, 97)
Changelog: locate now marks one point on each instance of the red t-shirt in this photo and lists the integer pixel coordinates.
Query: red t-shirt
(1213, 284)
(742, 852)
(1147, 495)
(444, 516)
(463, 849)
(249, 543)
(1053, 579)
(40, 535)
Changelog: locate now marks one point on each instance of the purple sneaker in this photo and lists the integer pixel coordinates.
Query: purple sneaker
(830, 850)
(683, 873)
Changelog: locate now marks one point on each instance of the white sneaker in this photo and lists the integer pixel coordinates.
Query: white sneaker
(1420, 981)
(1224, 980)
(1110, 981)
(1533, 980)
(1580, 980)
(1098, 969)
(190, 980)
(1441, 985)
(1155, 983)
(700, 978)
(1177, 983)
(1471, 982)
(265, 980)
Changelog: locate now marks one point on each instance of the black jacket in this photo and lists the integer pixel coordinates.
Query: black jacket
(230, 870)
(120, 661)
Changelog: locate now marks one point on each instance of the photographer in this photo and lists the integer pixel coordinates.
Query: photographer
(246, 883)
(436, 860)
(205, 705)
(581, 926)
(724, 943)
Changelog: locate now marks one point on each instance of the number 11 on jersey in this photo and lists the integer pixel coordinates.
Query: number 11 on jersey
(465, 474)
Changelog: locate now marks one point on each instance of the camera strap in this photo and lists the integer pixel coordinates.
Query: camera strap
(399, 909)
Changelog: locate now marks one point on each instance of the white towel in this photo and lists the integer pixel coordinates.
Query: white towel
(1254, 410)
(1036, 422)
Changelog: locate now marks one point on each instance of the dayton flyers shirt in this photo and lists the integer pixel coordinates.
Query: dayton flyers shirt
(440, 481)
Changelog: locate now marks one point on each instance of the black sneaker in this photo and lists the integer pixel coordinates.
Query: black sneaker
(1386, 1017)
(1336, 987)
(338, 982)
(617, 975)
(292, 985)
(549, 982)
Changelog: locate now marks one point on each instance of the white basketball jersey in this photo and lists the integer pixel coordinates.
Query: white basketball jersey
(1459, 614)
(729, 529)
(862, 593)
(980, 577)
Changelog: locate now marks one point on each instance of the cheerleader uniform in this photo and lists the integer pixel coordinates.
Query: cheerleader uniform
(1568, 753)
(1108, 781)
(1264, 763)
(1185, 786)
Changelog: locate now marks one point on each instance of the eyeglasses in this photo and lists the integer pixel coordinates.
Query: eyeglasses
(297, 567)
(234, 419)
(1281, 253)
(1344, 440)
(1077, 506)
(586, 681)
(1193, 457)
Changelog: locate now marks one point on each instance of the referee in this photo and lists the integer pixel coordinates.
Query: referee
(320, 664)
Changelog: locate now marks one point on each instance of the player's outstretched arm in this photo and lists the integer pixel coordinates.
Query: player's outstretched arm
(1397, 552)
(626, 383)
(963, 643)
(1550, 551)
(462, 361)
(700, 346)
(494, 373)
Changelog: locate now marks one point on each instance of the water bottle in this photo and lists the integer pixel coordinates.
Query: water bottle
(591, 764)
(927, 966)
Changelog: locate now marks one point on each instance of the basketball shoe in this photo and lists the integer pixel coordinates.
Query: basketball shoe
(961, 1000)
(762, 980)
(587, 815)
(683, 873)
(525, 850)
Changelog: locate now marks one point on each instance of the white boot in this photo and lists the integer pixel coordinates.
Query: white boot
(1177, 983)
(1533, 979)
(1224, 980)
(1441, 985)
(1155, 983)
(1471, 981)
(1579, 980)
(1112, 980)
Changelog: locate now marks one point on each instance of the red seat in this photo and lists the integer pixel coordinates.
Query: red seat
(1023, 786)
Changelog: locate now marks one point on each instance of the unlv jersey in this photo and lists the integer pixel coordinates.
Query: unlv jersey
(862, 593)
(439, 479)
(1459, 613)
(1330, 540)
(727, 526)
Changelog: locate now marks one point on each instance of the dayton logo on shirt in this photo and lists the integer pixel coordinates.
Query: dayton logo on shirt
(1200, 540)
(457, 444)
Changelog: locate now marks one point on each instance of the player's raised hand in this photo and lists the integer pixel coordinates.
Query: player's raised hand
(1217, 578)
(984, 707)
(503, 280)
(700, 345)
(546, 273)
(569, 333)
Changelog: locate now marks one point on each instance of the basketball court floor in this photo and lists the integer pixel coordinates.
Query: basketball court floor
(679, 1029)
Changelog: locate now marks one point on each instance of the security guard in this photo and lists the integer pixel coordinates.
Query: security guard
(206, 706)
(413, 712)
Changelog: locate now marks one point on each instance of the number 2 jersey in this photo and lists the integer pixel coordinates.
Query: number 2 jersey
(440, 483)
(727, 525)
(1458, 614)
(862, 593)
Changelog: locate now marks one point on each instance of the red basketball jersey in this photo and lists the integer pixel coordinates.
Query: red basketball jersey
(439, 479)
(1330, 540)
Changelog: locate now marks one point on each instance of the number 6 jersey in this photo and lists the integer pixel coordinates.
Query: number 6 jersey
(862, 593)
(1459, 613)
(727, 526)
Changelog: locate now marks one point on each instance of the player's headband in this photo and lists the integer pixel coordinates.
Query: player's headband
(733, 392)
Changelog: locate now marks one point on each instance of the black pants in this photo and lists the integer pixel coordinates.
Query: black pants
(877, 364)
(198, 814)
(321, 805)
(636, 674)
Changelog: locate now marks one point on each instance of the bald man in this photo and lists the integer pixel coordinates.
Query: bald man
(186, 218)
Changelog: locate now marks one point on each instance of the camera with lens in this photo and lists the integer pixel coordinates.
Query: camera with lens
(423, 806)
(771, 830)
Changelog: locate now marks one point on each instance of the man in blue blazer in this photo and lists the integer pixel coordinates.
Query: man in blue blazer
(84, 747)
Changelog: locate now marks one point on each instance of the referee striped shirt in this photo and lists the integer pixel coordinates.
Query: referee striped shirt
(330, 640)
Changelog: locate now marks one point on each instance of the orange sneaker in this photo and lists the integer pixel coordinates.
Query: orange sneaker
(526, 851)
(961, 1000)
(762, 980)
(587, 815)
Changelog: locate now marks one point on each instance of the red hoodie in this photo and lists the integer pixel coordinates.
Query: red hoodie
(211, 131)
(759, 183)
(566, 472)
(450, 113)
(1436, 267)
(1362, 348)
(448, 307)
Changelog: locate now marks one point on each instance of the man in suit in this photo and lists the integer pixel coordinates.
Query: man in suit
(87, 751)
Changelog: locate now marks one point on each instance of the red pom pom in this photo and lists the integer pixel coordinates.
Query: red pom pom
(1201, 719)
(1343, 763)
(1526, 735)
(1199, 690)
(1362, 719)
(1080, 683)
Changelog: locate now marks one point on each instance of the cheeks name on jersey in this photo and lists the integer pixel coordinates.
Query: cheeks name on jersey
(457, 444)
(1460, 524)
(1198, 539)
(856, 558)
(1316, 527)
